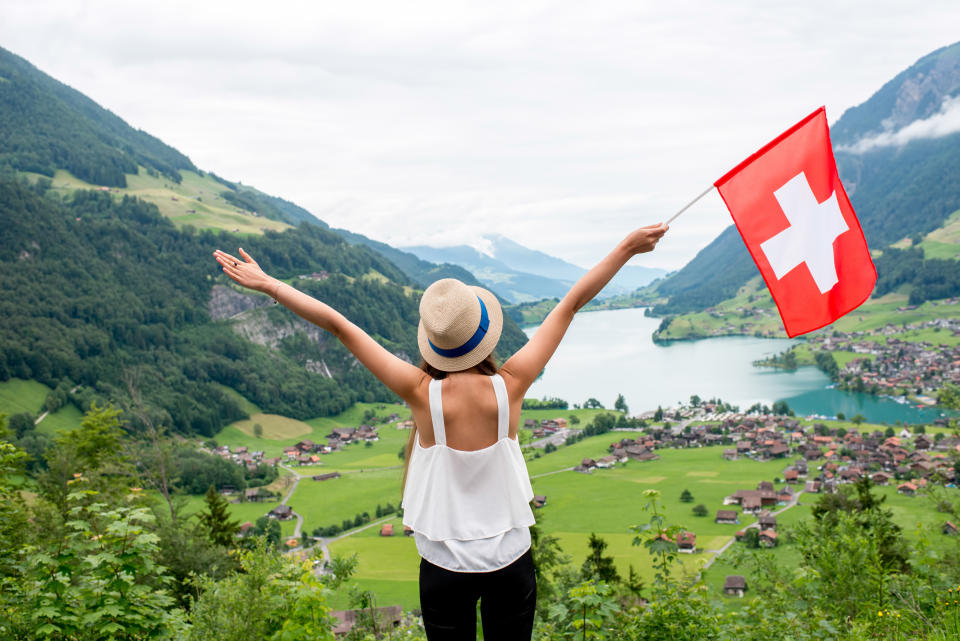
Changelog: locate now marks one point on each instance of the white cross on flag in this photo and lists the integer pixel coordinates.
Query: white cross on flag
(797, 222)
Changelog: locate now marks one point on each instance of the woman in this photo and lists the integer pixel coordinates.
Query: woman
(466, 489)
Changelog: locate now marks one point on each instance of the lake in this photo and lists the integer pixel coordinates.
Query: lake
(607, 353)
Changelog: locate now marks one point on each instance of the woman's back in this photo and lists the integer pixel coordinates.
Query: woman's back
(470, 412)
(467, 493)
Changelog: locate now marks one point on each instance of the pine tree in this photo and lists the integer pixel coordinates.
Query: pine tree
(599, 566)
(686, 496)
(221, 530)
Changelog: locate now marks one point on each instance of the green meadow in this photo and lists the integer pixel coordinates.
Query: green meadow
(195, 201)
(18, 396)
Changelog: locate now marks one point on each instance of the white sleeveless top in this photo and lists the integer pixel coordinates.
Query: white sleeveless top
(469, 510)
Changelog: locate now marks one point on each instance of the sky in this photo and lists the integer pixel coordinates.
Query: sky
(562, 125)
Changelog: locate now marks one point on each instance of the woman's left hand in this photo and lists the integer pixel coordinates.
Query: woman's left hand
(245, 271)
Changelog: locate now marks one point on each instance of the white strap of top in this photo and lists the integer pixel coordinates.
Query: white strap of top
(436, 412)
(503, 406)
(436, 409)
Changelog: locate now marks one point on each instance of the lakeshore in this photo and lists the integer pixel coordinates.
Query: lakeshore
(606, 353)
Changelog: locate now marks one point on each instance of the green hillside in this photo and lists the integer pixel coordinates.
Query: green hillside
(45, 125)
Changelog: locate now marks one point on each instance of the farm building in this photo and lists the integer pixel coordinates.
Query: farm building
(734, 585)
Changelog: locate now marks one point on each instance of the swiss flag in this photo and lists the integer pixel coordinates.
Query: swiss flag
(799, 226)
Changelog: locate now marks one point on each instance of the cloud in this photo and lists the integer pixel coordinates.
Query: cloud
(943, 123)
(552, 122)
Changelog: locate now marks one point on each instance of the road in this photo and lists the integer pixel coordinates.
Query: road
(296, 482)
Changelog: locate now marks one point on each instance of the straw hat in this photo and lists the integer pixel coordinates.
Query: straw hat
(459, 325)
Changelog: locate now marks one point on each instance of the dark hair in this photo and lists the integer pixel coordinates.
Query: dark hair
(487, 367)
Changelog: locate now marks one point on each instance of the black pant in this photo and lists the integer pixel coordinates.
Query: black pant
(508, 599)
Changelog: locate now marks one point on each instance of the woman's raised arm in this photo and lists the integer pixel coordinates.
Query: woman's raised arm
(523, 367)
(401, 377)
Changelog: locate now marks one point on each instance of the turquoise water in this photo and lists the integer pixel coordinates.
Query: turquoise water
(611, 352)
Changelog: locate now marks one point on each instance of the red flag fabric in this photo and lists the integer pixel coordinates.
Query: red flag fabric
(797, 222)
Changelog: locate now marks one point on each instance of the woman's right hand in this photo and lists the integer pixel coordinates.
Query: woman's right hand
(245, 271)
(644, 239)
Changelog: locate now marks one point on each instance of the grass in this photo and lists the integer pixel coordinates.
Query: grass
(194, 201)
(285, 432)
(323, 503)
(750, 312)
(18, 396)
(241, 512)
(64, 419)
(275, 427)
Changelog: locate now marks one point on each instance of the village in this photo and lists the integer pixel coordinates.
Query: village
(895, 365)
(826, 458)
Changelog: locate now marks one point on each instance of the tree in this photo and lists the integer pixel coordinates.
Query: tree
(686, 496)
(841, 416)
(100, 580)
(258, 430)
(592, 403)
(949, 396)
(220, 529)
(658, 415)
(781, 408)
(858, 419)
(621, 404)
(695, 400)
(700, 510)
(597, 566)
(751, 538)
(20, 424)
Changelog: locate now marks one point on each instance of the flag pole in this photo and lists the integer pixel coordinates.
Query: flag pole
(690, 204)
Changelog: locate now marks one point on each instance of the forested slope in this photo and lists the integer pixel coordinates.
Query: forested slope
(93, 290)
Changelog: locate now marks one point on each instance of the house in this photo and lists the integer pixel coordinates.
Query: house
(281, 513)
(253, 494)
(767, 521)
(880, 478)
(908, 489)
(245, 528)
(588, 463)
(778, 451)
(730, 454)
(344, 434)
(949, 528)
(765, 485)
(606, 462)
(727, 516)
(768, 538)
(326, 477)
(687, 542)
(812, 486)
(734, 585)
(407, 530)
(386, 529)
(388, 617)
(791, 475)
(539, 500)
(922, 443)
(305, 445)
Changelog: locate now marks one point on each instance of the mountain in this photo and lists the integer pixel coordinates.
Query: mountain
(107, 279)
(523, 259)
(898, 155)
(519, 274)
(45, 125)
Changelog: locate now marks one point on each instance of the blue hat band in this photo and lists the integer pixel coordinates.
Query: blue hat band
(472, 342)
